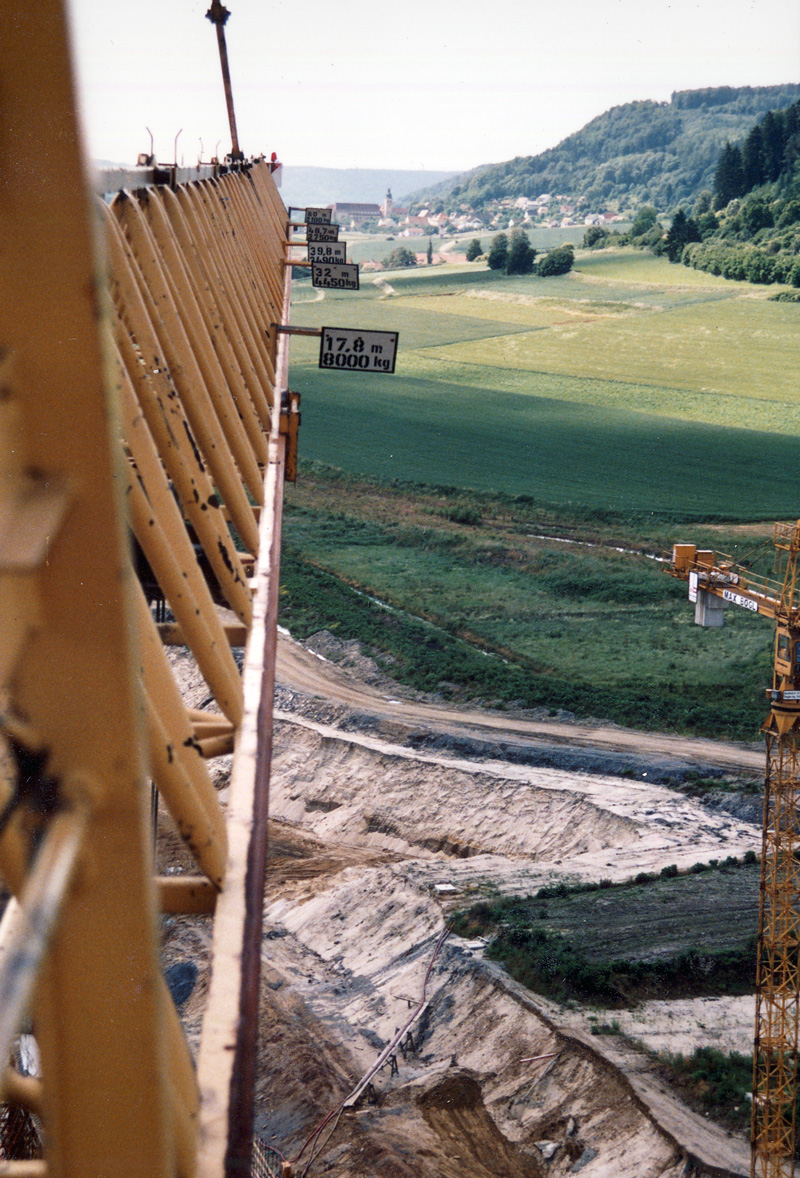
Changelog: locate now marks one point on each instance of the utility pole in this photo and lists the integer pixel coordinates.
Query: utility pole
(218, 15)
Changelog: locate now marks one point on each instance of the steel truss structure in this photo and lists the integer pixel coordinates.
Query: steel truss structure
(714, 578)
(141, 380)
(777, 1034)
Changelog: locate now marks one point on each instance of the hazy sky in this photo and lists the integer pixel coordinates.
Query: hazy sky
(438, 84)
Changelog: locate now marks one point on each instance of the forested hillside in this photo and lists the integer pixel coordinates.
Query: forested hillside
(753, 231)
(646, 152)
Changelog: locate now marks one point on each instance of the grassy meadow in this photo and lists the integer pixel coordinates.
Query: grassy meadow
(618, 944)
(625, 405)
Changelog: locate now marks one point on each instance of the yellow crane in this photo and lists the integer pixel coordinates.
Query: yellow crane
(716, 582)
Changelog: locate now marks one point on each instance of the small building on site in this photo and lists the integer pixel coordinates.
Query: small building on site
(352, 215)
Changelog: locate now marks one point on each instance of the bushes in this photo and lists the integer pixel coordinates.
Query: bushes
(517, 256)
(544, 939)
(740, 261)
(594, 578)
(557, 261)
(760, 268)
(551, 965)
(719, 1084)
(521, 254)
(400, 258)
(313, 599)
(595, 237)
(512, 257)
(547, 963)
(462, 513)
(498, 254)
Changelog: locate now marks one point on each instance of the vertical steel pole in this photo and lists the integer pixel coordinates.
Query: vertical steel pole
(218, 15)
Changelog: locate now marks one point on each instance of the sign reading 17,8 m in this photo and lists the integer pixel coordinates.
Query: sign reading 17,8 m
(358, 351)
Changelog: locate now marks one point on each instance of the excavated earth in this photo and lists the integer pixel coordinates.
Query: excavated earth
(388, 811)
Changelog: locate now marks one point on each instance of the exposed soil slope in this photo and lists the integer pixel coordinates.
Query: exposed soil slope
(375, 841)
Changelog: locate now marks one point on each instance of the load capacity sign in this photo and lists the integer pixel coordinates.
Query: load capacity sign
(335, 277)
(318, 216)
(327, 251)
(322, 232)
(358, 351)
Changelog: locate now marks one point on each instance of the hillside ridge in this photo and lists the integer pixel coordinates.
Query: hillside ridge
(643, 152)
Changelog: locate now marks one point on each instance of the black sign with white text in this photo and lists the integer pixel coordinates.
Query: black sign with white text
(349, 349)
(334, 276)
(326, 251)
(322, 232)
(318, 216)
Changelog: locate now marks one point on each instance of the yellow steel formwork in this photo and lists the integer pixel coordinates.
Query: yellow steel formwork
(147, 399)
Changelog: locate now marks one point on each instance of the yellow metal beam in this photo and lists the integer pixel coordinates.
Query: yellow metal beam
(173, 437)
(25, 1091)
(178, 766)
(186, 895)
(196, 278)
(166, 218)
(248, 315)
(97, 1025)
(175, 351)
(192, 231)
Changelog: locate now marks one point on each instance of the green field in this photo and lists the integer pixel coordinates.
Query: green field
(665, 936)
(628, 404)
(570, 389)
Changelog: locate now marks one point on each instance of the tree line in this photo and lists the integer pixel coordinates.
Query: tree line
(516, 255)
(748, 227)
(769, 152)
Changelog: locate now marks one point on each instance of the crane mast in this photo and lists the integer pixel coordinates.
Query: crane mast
(715, 582)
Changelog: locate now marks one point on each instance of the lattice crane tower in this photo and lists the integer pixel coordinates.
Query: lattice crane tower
(716, 581)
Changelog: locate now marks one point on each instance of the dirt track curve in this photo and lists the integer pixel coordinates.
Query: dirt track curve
(306, 672)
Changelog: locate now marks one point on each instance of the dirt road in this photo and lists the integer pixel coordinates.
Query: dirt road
(304, 671)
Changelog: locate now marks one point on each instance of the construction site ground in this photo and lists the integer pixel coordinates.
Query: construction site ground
(388, 812)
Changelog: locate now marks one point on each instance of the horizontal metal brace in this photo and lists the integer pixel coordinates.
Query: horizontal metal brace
(292, 262)
(287, 330)
(25, 1091)
(184, 894)
(216, 746)
(33, 1168)
(172, 635)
